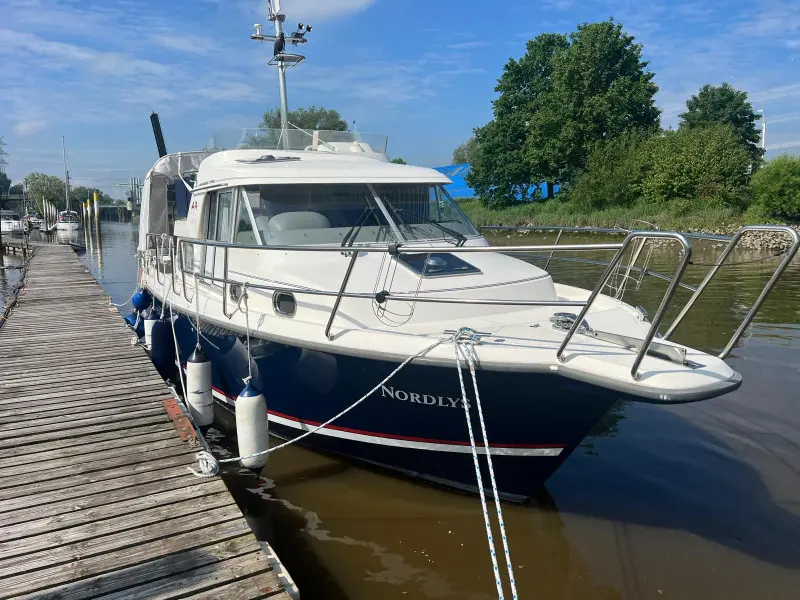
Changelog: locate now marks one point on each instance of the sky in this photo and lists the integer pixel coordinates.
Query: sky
(422, 72)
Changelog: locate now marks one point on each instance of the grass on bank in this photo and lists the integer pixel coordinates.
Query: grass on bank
(553, 212)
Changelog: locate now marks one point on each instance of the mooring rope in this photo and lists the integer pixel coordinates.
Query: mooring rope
(498, 582)
(464, 342)
(209, 464)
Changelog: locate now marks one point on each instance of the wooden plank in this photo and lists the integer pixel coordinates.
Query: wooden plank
(153, 570)
(152, 387)
(14, 430)
(62, 515)
(95, 390)
(56, 465)
(90, 449)
(220, 578)
(96, 470)
(77, 416)
(173, 540)
(97, 476)
(260, 585)
(80, 442)
(80, 431)
(111, 529)
(111, 402)
(90, 494)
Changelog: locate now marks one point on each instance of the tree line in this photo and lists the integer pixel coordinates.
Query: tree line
(41, 186)
(579, 111)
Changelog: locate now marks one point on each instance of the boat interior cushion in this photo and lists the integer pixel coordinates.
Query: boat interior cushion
(246, 237)
(290, 221)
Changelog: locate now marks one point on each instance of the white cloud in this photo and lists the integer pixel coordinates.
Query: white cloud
(24, 128)
(190, 44)
(468, 45)
(308, 10)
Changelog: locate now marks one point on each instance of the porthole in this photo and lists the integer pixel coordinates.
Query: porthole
(284, 304)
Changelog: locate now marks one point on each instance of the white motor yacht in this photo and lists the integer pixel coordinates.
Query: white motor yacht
(316, 268)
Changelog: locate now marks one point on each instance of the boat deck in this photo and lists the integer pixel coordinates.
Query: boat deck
(95, 496)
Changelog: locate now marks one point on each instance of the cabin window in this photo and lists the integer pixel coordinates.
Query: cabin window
(219, 227)
(348, 214)
(302, 214)
(284, 304)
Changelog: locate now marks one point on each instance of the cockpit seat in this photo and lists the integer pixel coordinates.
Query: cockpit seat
(290, 221)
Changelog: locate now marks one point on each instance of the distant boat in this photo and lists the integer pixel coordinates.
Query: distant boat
(11, 223)
(68, 221)
(33, 221)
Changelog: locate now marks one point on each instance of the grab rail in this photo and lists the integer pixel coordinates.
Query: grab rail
(673, 285)
(795, 237)
(176, 246)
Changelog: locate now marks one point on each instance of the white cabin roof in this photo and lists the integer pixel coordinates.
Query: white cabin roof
(242, 167)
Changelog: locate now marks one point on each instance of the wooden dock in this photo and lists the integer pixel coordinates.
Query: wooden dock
(95, 497)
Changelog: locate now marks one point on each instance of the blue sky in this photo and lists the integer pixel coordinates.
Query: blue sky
(422, 72)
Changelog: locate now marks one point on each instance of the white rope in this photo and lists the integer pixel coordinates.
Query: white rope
(498, 582)
(209, 465)
(175, 339)
(471, 360)
(126, 301)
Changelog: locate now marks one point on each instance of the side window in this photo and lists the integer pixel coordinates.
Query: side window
(244, 233)
(224, 216)
(211, 217)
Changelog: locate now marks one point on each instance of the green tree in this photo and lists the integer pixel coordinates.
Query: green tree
(45, 187)
(500, 169)
(466, 152)
(310, 118)
(726, 105)
(5, 184)
(613, 175)
(776, 186)
(600, 88)
(698, 166)
(81, 193)
(399, 161)
(16, 190)
(564, 96)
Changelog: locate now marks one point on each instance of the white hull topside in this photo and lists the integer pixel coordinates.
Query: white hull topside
(68, 226)
(520, 338)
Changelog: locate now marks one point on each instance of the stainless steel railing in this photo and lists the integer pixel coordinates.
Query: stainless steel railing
(178, 244)
(788, 256)
(673, 285)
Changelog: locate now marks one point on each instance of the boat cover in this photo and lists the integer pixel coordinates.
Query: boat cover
(154, 210)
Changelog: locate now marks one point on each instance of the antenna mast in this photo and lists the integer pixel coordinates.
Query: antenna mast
(281, 59)
(66, 175)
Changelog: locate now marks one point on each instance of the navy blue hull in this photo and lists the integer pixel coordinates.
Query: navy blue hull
(416, 423)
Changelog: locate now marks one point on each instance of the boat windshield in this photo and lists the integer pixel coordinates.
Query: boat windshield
(348, 214)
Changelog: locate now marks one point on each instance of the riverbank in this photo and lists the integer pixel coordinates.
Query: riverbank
(714, 221)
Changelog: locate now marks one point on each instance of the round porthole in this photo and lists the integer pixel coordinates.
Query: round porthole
(284, 304)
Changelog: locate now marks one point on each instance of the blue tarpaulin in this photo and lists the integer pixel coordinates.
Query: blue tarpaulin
(459, 187)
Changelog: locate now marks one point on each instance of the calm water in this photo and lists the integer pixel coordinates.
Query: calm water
(692, 502)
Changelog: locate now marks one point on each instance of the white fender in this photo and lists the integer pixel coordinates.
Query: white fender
(149, 322)
(252, 426)
(198, 388)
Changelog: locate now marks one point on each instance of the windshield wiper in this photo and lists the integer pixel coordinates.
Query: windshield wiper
(459, 237)
(356, 227)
